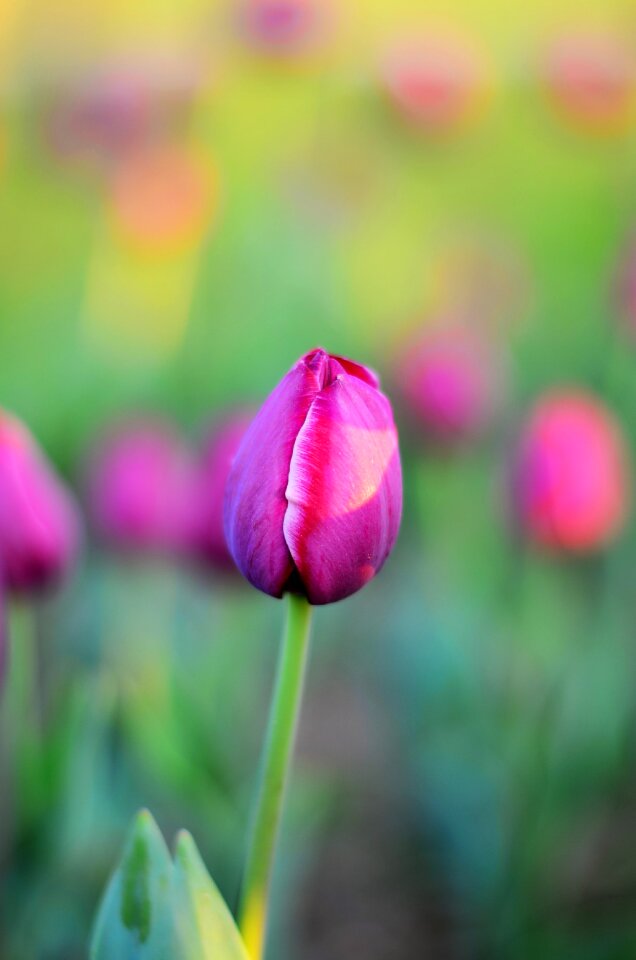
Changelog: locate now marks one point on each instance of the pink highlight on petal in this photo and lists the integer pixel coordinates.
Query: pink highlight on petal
(139, 478)
(570, 476)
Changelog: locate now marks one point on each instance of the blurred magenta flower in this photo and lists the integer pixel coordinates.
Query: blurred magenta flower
(436, 81)
(451, 381)
(97, 122)
(590, 79)
(286, 28)
(39, 523)
(207, 542)
(570, 484)
(119, 106)
(314, 498)
(138, 487)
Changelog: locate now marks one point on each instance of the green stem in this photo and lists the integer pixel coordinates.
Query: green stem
(21, 716)
(22, 693)
(275, 764)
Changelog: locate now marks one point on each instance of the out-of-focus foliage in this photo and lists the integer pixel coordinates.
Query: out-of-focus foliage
(185, 211)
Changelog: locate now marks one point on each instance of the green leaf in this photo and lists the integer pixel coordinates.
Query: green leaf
(135, 919)
(156, 909)
(200, 906)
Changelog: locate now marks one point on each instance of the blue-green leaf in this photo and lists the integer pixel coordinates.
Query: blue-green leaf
(202, 912)
(135, 919)
(157, 909)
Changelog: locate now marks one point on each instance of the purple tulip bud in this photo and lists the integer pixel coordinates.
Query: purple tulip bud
(39, 526)
(450, 381)
(138, 482)
(207, 537)
(314, 498)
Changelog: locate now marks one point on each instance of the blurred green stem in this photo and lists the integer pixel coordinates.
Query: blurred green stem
(21, 718)
(275, 764)
(23, 695)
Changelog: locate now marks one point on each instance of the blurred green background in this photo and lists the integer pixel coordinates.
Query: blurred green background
(465, 774)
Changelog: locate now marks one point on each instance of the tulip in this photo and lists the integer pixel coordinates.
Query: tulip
(437, 83)
(451, 381)
(590, 80)
(570, 473)
(39, 526)
(206, 541)
(100, 121)
(312, 509)
(137, 487)
(284, 27)
(314, 498)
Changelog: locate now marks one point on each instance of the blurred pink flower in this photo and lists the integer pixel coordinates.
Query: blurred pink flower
(99, 117)
(39, 522)
(590, 79)
(451, 381)
(285, 28)
(436, 81)
(206, 541)
(570, 484)
(139, 487)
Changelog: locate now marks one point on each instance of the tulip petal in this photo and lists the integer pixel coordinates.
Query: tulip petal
(134, 920)
(208, 928)
(345, 489)
(39, 528)
(255, 501)
(343, 364)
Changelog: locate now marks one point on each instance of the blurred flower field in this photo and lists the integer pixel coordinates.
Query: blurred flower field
(194, 195)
